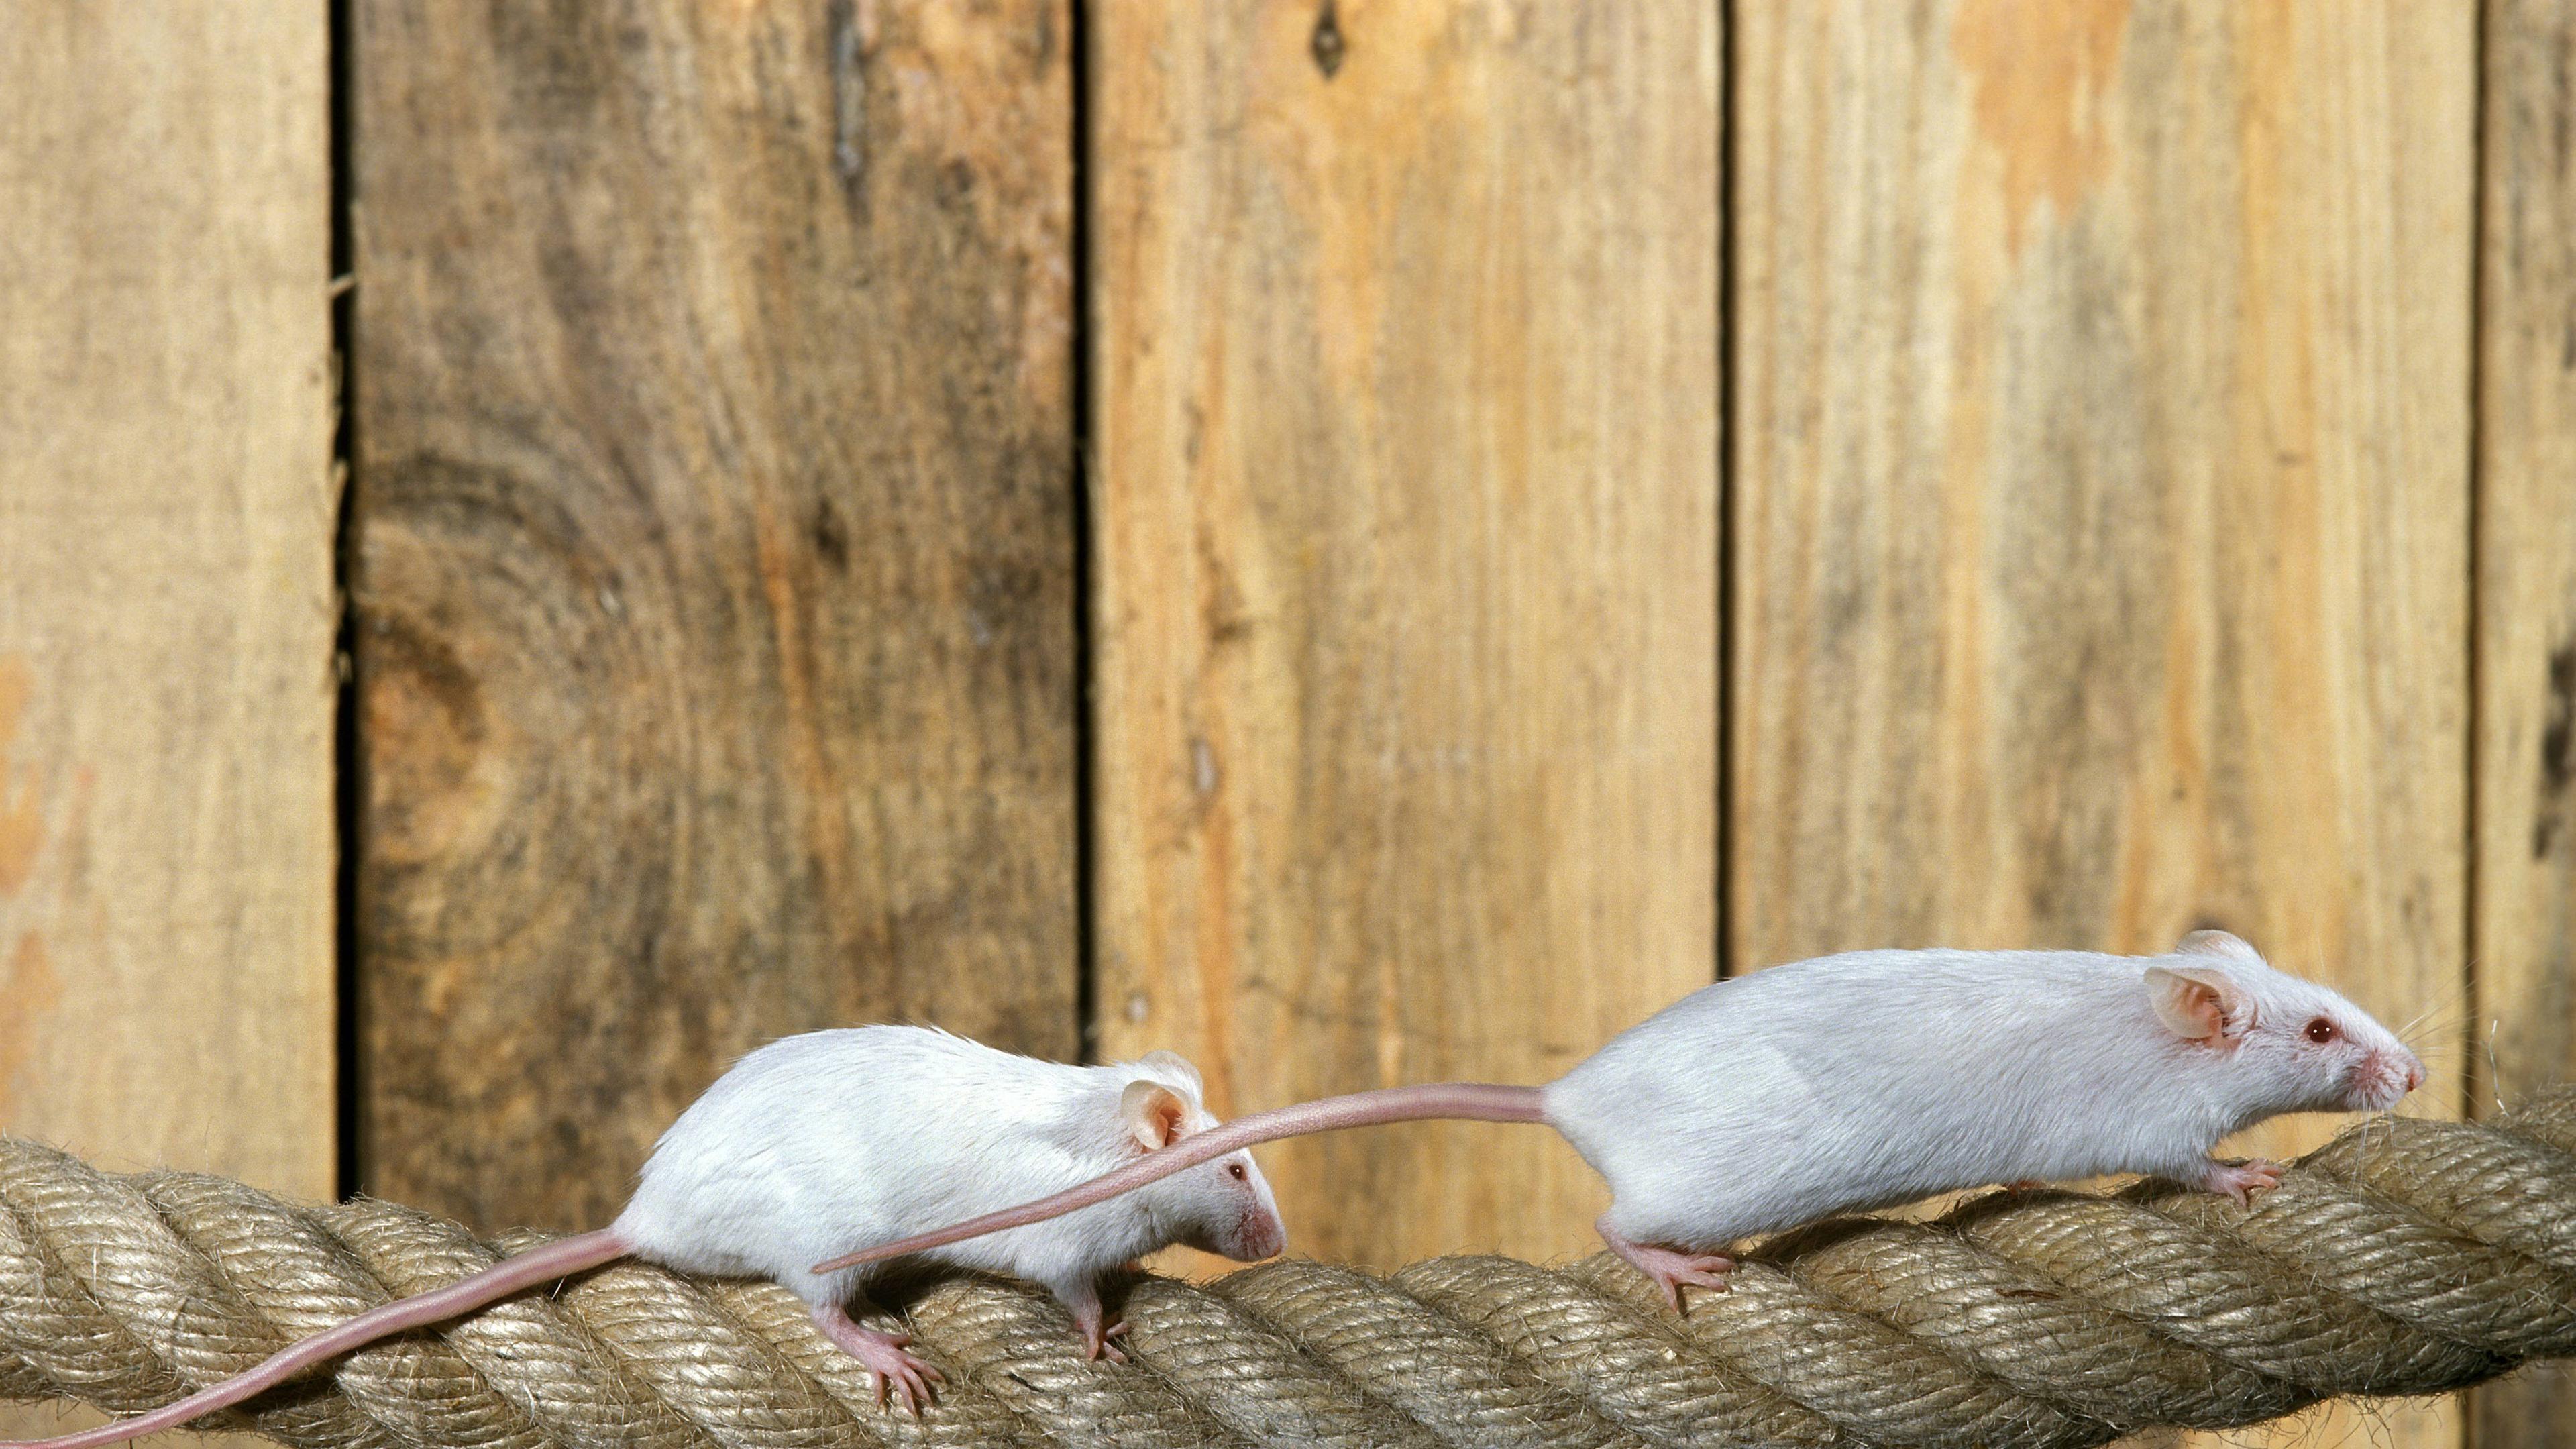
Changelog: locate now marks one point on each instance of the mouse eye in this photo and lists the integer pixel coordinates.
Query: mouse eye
(1234, 1170)
(2321, 1031)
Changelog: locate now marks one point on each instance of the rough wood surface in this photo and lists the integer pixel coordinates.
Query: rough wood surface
(716, 499)
(2525, 925)
(166, 609)
(2101, 436)
(1406, 569)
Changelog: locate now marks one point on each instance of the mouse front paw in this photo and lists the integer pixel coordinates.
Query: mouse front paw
(1100, 1328)
(2240, 1180)
(1104, 1341)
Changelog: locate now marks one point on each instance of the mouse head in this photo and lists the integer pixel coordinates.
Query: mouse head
(2293, 1045)
(1220, 1206)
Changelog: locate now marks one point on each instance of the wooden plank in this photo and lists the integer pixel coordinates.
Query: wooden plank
(716, 498)
(1406, 569)
(2523, 1032)
(2100, 491)
(166, 609)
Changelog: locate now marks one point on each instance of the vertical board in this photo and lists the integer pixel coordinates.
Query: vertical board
(2523, 1035)
(1406, 569)
(716, 498)
(166, 609)
(2101, 491)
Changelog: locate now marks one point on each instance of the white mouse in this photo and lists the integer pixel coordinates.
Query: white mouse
(1878, 1077)
(856, 1135)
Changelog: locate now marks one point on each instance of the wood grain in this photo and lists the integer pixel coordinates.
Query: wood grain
(166, 609)
(2523, 1033)
(716, 498)
(2100, 490)
(1406, 570)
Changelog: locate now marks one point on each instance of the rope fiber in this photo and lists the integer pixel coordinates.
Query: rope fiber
(2404, 1258)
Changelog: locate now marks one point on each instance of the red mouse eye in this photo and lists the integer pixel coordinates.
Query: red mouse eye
(2321, 1031)
(1234, 1170)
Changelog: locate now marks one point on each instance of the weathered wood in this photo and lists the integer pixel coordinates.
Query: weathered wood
(2526, 747)
(2523, 1032)
(166, 610)
(716, 500)
(1407, 557)
(2100, 492)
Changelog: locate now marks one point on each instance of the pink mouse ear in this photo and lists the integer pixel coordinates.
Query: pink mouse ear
(1153, 1112)
(2220, 944)
(2196, 1002)
(1177, 1065)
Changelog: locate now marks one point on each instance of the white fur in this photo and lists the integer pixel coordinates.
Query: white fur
(818, 1142)
(1878, 1077)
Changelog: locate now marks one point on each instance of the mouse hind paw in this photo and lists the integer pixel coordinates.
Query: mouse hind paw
(1670, 1269)
(890, 1369)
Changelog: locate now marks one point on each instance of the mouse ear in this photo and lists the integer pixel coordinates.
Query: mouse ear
(2219, 944)
(1163, 1060)
(1153, 1112)
(2197, 1003)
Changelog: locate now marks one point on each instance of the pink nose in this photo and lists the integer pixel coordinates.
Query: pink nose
(2414, 1074)
(1263, 1236)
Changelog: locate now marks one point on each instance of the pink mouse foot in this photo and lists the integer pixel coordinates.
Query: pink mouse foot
(1099, 1339)
(2241, 1180)
(1670, 1268)
(1099, 1333)
(889, 1367)
(1104, 1344)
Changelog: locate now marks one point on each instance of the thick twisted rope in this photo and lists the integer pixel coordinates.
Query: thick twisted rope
(2404, 1258)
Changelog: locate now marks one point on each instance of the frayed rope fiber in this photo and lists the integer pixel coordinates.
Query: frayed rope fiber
(2406, 1257)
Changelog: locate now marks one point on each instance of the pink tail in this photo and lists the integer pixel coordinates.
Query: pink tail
(1454, 1101)
(537, 1265)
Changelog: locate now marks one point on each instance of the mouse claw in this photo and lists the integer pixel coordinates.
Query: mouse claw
(1696, 1272)
(1098, 1328)
(2242, 1181)
(1669, 1268)
(1104, 1342)
(909, 1380)
(891, 1371)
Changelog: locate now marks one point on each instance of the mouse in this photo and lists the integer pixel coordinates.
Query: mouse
(863, 1133)
(1872, 1078)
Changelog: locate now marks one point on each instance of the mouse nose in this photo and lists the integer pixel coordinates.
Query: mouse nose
(2414, 1074)
(1261, 1235)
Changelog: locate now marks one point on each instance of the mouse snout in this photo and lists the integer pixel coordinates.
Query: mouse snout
(1260, 1234)
(1245, 1225)
(2385, 1078)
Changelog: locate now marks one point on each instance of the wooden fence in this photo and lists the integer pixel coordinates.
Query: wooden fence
(1363, 540)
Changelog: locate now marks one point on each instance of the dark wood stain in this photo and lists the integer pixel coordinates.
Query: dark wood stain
(2558, 727)
(1327, 44)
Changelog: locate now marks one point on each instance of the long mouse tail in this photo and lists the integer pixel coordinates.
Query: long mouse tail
(1451, 1101)
(526, 1270)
